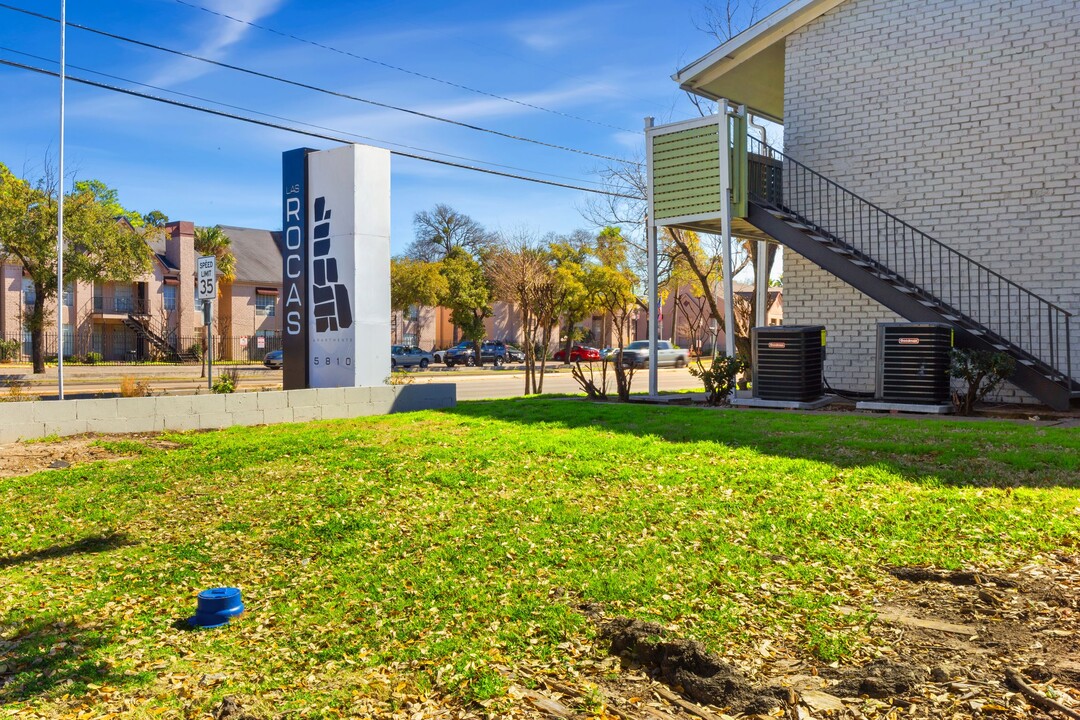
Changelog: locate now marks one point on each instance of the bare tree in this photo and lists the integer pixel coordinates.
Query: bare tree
(441, 229)
(521, 275)
(723, 21)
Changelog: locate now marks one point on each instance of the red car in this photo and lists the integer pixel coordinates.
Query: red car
(578, 353)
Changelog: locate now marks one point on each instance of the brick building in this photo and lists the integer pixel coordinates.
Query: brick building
(959, 118)
(157, 316)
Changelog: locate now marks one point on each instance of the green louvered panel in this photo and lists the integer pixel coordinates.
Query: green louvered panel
(686, 172)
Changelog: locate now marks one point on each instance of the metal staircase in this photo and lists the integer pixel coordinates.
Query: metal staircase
(140, 324)
(911, 273)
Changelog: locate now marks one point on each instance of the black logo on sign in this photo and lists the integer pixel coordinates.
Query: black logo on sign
(331, 308)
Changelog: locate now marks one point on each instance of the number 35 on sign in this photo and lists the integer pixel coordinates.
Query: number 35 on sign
(206, 279)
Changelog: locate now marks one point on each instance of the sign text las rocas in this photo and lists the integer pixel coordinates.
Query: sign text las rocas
(294, 264)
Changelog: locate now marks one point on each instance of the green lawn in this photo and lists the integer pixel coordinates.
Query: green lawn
(389, 558)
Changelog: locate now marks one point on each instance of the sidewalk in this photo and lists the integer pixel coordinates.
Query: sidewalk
(82, 381)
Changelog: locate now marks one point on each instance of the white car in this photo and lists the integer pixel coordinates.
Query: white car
(636, 354)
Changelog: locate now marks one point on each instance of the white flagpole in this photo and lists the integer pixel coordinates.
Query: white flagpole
(60, 219)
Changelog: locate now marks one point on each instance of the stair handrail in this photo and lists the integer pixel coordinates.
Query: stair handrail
(757, 147)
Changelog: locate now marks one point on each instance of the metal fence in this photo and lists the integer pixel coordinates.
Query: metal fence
(125, 347)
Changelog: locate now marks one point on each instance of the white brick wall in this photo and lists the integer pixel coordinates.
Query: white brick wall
(962, 117)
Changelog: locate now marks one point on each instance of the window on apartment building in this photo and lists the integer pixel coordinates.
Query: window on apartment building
(409, 339)
(69, 294)
(198, 303)
(27, 342)
(265, 304)
(122, 298)
(414, 312)
(28, 292)
(69, 340)
(168, 298)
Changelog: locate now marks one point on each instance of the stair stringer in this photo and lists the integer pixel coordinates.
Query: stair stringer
(905, 304)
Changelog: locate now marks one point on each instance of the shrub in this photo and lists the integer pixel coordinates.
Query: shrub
(131, 386)
(9, 350)
(16, 391)
(227, 381)
(718, 378)
(92, 358)
(399, 377)
(596, 389)
(982, 372)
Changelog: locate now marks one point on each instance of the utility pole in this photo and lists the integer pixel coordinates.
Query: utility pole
(60, 216)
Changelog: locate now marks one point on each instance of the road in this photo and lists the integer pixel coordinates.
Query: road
(511, 383)
(472, 384)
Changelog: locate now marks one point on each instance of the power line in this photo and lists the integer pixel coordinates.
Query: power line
(316, 88)
(397, 68)
(308, 133)
(300, 122)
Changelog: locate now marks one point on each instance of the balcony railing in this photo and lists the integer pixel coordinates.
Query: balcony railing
(121, 305)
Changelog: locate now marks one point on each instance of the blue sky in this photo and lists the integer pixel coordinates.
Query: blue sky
(607, 63)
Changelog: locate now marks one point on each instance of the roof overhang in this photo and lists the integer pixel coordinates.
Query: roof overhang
(749, 68)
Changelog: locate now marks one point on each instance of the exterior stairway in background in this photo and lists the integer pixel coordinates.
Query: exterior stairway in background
(911, 273)
(140, 325)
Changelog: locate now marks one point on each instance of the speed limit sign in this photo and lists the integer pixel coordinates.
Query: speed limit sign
(206, 279)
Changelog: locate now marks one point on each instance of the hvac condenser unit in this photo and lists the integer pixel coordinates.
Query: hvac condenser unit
(787, 362)
(913, 363)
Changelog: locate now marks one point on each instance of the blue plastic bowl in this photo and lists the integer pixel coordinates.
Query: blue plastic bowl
(216, 607)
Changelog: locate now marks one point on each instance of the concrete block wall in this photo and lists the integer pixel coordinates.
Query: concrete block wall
(30, 420)
(960, 117)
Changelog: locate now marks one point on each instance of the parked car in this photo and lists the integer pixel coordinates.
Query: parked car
(636, 354)
(274, 359)
(578, 353)
(440, 355)
(495, 352)
(514, 354)
(403, 356)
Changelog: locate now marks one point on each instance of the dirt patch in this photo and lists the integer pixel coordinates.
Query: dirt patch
(954, 577)
(943, 644)
(685, 664)
(231, 709)
(25, 458)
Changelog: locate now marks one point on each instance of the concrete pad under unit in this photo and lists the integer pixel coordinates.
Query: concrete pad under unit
(942, 409)
(784, 404)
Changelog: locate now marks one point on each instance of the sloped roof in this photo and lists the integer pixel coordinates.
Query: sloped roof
(157, 246)
(749, 68)
(257, 252)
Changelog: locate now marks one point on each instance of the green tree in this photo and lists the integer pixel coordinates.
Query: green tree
(97, 246)
(415, 282)
(468, 295)
(214, 241)
(570, 257)
(109, 199)
(155, 219)
(522, 273)
(612, 285)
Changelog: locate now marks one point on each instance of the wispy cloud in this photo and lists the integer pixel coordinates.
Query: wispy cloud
(219, 34)
(550, 32)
